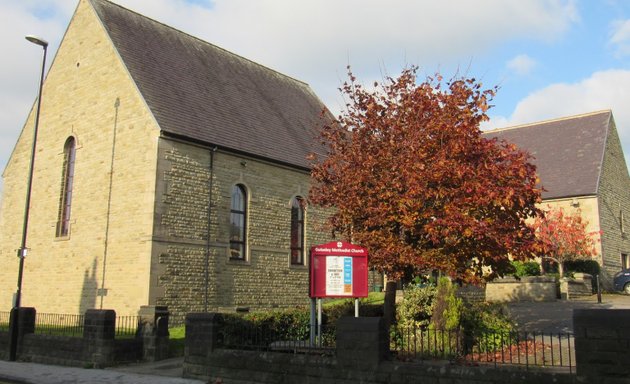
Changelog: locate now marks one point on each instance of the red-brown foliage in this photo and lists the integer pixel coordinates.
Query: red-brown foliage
(411, 178)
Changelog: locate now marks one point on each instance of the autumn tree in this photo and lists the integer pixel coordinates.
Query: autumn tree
(411, 177)
(564, 237)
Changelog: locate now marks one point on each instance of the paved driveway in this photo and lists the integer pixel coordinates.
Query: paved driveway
(557, 316)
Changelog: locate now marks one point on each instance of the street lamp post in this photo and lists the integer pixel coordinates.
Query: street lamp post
(27, 205)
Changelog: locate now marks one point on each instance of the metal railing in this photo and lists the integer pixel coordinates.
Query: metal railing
(4, 321)
(59, 324)
(73, 325)
(528, 349)
(247, 336)
(126, 327)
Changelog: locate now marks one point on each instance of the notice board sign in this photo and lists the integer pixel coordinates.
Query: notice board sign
(338, 269)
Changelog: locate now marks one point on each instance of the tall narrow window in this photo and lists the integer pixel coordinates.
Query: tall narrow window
(625, 262)
(297, 231)
(238, 223)
(67, 180)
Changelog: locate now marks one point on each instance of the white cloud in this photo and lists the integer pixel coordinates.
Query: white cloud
(522, 65)
(602, 90)
(620, 37)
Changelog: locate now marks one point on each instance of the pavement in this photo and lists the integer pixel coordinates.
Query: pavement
(557, 316)
(149, 373)
(553, 316)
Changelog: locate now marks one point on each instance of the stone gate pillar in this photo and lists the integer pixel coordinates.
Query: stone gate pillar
(153, 329)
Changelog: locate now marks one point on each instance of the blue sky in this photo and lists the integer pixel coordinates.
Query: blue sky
(551, 58)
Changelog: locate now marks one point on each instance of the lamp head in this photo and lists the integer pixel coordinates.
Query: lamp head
(36, 40)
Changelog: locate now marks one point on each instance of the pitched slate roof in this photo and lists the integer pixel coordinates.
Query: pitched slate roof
(568, 152)
(203, 93)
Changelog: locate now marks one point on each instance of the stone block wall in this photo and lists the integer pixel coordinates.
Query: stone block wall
(602, 344)
(614, 207)
(536, 288)
(88, 95)
(191, 263)
(56, 350)
(579, 286)
(97, 347)
(472, 293)
(4, 345)
(361, 357)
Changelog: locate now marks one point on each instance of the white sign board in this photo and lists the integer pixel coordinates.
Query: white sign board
(338, 276)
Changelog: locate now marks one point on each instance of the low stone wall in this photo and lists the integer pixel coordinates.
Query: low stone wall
(362, 356)
(602, 345)
(531, 288)
(581, 285)
(4, 345)
(236, 367)
(98, 346)
(57, 350)
(472, 293)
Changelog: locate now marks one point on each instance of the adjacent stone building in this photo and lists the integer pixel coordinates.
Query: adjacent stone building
(168, 171)
(581, 166)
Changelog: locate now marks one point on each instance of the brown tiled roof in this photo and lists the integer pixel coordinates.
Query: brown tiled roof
(203, 93)
(568, 152)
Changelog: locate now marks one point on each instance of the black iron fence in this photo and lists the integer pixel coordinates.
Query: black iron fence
(528, 349)
(126, 326)
(4, 321)
(247, 336)
(59, 324)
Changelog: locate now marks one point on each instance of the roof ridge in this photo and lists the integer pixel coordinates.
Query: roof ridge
(203, 41)
(547, 121)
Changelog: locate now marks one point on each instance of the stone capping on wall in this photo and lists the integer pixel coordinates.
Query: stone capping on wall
(530, 288)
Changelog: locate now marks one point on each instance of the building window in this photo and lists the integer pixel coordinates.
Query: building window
(625, 262)
(238, 223)
(621, 222)
(67, 181)
(297, 230)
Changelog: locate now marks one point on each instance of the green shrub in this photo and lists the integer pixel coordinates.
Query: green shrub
(584, 266)
(526, 268)
(291, 324)
(487, 326)
(446, 306)
(416, 306)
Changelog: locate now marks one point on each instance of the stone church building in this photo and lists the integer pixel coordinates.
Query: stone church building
(168, 171)
(581, 165)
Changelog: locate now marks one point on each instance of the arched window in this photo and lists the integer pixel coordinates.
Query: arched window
(297, 230)
(238, 223)
(67, 180)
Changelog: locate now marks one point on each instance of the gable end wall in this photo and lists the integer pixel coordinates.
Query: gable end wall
(88, 95)
(613, 198)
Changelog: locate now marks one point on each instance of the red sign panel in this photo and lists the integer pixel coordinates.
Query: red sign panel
(339, 269)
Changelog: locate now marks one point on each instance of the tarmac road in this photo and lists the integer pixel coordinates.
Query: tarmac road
(557, 316)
